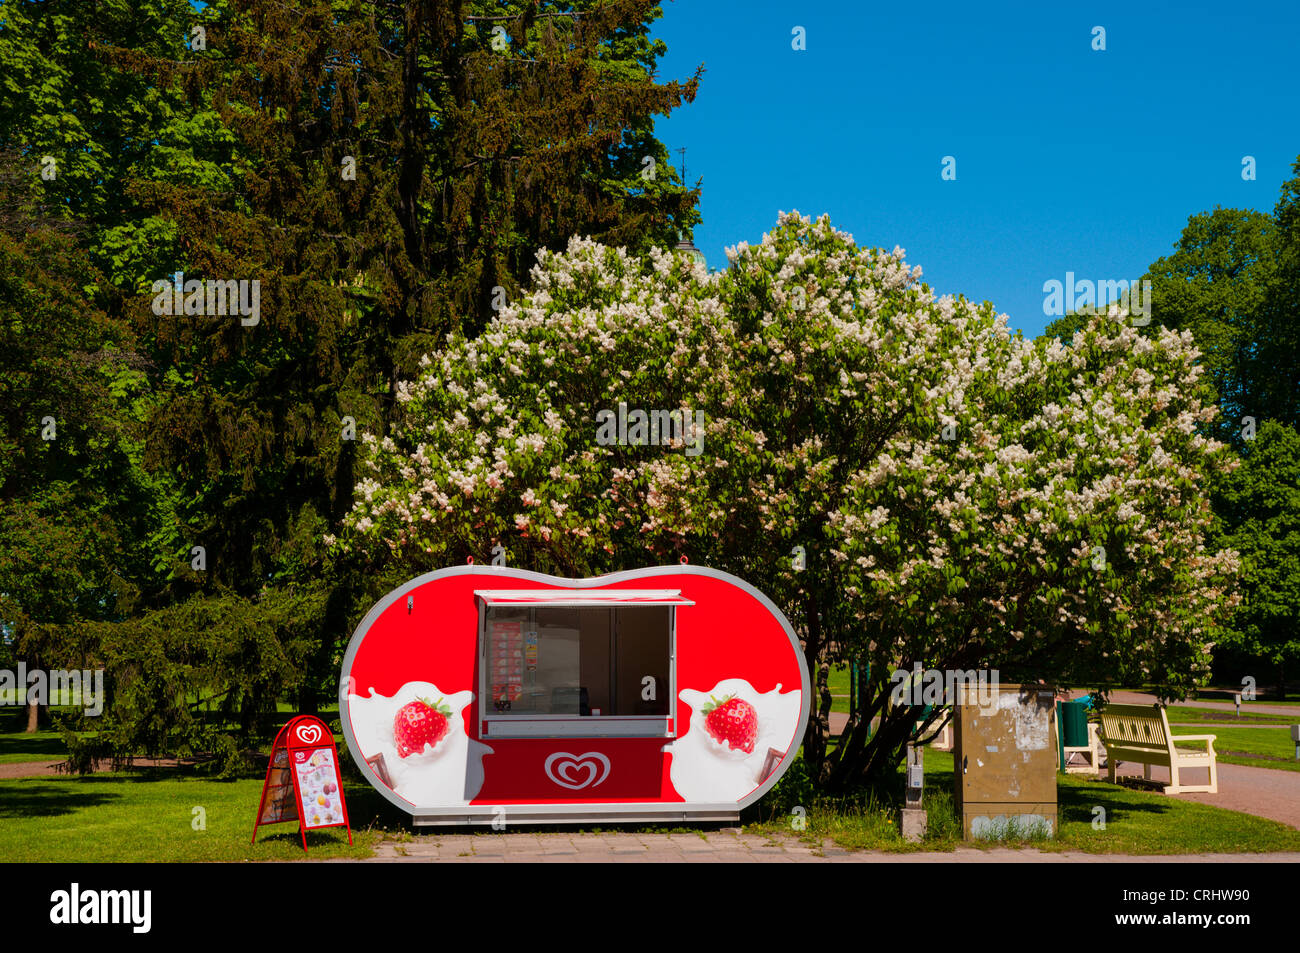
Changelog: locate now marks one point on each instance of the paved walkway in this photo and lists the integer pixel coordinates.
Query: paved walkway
(27, 769)
(1264, 792)
(1254, 708)
(36, 769)
(729, 845)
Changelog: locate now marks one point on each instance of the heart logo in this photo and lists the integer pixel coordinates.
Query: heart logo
(577, 771)
(309, 734)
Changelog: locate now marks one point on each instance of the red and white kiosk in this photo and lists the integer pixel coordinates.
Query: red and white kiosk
(480, 692)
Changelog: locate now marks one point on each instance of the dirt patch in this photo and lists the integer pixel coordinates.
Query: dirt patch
(1228, 718)
(1256, 756)
(37, 769)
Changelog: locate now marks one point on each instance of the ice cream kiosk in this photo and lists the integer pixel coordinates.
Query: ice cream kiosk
(483, 694)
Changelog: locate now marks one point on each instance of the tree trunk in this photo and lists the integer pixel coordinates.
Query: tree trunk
(246, 715)
(38, 710)
(814, 743)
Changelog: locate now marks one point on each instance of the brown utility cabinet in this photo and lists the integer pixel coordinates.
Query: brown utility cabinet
(1005, 758)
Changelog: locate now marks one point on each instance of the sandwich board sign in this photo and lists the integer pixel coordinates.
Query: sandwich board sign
(302, 780)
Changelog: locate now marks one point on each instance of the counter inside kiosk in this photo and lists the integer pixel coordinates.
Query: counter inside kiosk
(478, 693)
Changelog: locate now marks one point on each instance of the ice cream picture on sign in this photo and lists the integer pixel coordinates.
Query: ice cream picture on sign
(318, 788)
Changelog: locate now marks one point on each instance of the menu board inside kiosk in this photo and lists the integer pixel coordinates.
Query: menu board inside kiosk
(671, 692)
(565, 666)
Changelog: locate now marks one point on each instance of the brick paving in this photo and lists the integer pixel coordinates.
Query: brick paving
(726, 846)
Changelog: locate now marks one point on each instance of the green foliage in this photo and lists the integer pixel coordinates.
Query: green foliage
(75, 501)
(1259, 504)
(827, 377)
(239, 654)
(72, 94)
(795, 788)
(227, 162)
(151, 816)
(1233, 281)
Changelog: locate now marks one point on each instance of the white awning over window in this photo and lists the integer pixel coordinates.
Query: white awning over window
(582, 597)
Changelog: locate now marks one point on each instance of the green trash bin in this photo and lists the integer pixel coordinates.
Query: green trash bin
(1074, 724)
(1072, 717)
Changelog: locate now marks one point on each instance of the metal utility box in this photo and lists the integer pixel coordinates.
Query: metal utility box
(915, 777)
(1005, 759)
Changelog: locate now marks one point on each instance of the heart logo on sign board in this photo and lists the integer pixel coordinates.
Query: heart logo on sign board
(309, 734)
(577, 771)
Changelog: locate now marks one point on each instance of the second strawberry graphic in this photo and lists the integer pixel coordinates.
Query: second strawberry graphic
(420, 723)
(731, 721)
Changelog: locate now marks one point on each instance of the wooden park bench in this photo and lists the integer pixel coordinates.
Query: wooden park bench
(1140, 733)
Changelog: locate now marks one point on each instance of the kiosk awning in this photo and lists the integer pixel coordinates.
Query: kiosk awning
(582, 597)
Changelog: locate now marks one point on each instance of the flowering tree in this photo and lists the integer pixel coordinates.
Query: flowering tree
(905, 478)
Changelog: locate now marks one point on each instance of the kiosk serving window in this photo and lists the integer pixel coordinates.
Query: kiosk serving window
(557, 663)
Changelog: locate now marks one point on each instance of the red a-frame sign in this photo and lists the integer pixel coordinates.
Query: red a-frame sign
(303, 781)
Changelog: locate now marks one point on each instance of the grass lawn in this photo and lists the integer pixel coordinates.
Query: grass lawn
(1225, 695)
(838, 681)
(47, 746)
(1182, 716)
(148, 817)
(1270, 747)
(15, 745)
(43, 746)
(1137, 822)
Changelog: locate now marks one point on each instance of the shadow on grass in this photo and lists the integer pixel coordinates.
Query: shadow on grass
(16, 745)
(43, 799)
(1077, 803)
(15, 748)
(369, 810)
(287, 833)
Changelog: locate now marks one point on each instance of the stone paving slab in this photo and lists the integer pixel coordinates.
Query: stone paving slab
(729, 846)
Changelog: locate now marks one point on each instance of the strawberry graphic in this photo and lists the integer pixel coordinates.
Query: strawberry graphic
(732, 721)
(420, 723)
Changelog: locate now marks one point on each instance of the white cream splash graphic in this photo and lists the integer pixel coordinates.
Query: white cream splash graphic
(448, 774)
(705, 770)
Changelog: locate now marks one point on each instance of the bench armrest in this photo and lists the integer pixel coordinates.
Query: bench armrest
(1208, 739)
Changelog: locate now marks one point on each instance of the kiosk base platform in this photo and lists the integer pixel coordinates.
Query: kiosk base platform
(565, 814)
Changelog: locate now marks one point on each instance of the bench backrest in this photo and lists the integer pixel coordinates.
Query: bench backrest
(1135, 726)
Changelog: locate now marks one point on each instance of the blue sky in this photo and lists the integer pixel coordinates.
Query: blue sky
(1067, 159)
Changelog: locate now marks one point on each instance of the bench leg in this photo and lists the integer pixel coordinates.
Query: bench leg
(1174, 786)
(1214, 776)
(1111, 764)
(1146, 772)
